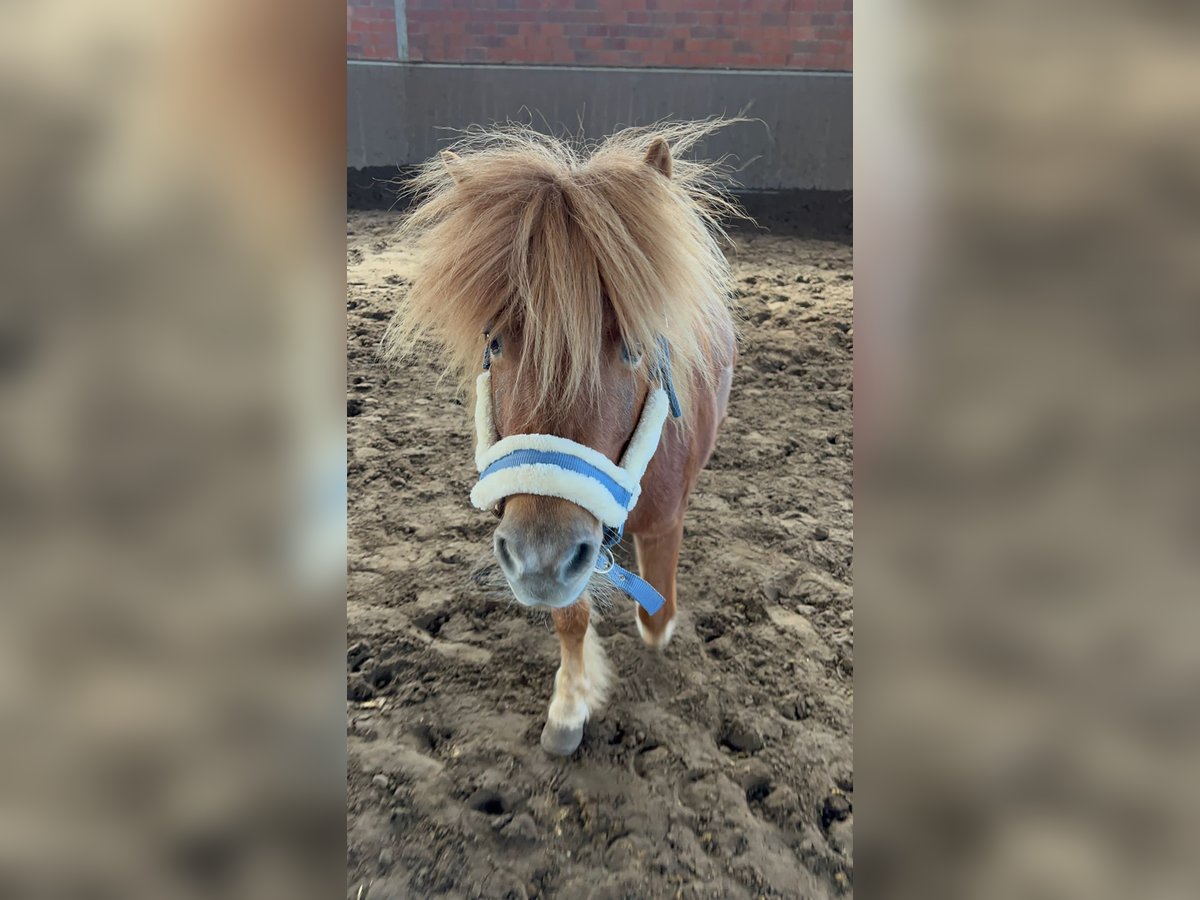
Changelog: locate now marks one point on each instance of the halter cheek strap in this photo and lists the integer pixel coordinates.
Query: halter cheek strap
(552, 466)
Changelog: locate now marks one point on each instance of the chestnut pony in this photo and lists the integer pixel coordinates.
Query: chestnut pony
(567, 267)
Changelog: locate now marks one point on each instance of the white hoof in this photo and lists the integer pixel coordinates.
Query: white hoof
(650, 639)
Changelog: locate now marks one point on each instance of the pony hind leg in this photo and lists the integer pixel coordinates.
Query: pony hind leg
(658, 560)
(581, 682)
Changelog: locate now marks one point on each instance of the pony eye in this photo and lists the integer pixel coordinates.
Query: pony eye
(632, 358)
(494, 346)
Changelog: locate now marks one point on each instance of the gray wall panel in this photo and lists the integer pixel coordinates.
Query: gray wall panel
(397, 114)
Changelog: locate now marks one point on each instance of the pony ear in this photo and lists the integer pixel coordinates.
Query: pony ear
(450, 160)
(658, 156)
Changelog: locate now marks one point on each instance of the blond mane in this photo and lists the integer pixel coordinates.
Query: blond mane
(522, 230)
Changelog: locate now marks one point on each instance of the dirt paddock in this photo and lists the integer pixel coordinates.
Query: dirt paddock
(720, 768)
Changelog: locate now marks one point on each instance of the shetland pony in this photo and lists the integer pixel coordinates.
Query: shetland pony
(566, 267)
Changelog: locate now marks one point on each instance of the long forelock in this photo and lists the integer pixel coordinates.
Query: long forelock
(526, 231)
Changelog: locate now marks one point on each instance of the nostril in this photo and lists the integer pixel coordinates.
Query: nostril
(503, 553)
(581, 559)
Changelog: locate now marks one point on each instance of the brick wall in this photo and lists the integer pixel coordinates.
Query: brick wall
(371, 29)
(734, 34)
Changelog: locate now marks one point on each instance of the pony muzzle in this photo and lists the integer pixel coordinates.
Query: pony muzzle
(544, 465)
(546, 550)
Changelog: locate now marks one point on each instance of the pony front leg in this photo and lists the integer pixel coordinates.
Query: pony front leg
(658, 559)
(581, 683)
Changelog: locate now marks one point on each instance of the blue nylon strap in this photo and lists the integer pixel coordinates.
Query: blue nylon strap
(664, 375)
(637, 588)
(561, 461)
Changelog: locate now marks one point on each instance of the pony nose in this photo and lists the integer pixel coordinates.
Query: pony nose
(541, 563)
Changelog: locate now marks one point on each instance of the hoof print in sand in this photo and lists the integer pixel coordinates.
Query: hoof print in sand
(488, 801)
(521, 829)
(836, 808)
(358, 691)
(741, 735)
(782, 806)
(357, 655)
(758, 787)
(652, 760)
(710, 627)
(430, 738)
(797, 709)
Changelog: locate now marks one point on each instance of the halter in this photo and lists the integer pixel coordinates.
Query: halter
(552, 466)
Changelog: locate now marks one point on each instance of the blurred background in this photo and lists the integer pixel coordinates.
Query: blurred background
(171, 449)
(1027, 386)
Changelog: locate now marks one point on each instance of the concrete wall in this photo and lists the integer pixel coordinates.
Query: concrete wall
(398, 113)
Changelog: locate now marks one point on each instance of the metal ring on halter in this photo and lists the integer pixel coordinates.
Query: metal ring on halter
(605, 552)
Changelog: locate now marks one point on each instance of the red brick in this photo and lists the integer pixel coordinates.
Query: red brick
(686, 33)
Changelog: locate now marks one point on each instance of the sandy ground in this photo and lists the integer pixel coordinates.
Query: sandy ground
(720, 768)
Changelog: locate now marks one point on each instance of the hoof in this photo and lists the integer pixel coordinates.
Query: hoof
(656, 640)
(561, 740)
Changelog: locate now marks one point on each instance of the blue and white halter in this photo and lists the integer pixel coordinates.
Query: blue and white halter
(552, 466)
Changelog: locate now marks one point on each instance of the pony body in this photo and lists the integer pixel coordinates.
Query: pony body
(570, 264)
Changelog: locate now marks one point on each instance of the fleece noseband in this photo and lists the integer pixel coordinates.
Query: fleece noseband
(552, 466)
